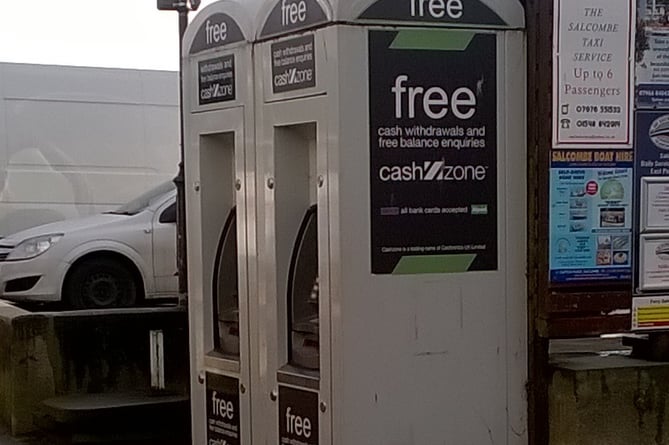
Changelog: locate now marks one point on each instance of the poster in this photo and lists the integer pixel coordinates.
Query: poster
(592, 73)
(222, 399)
(591, 215)
(652, 54)
(654, 206)
(654, 262)
(652, 173)
(433, 151)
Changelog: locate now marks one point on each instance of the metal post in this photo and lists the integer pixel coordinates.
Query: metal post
(182, 264)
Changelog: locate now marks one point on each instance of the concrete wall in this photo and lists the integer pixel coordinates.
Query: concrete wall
(610, 400)
(43, 355)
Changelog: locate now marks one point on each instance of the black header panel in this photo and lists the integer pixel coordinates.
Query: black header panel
(217, 30)
(293, 15)
(461, 12)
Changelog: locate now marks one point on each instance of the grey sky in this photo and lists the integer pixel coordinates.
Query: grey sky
(122, 34)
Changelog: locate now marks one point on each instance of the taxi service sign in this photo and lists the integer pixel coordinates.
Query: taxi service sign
(592, 73)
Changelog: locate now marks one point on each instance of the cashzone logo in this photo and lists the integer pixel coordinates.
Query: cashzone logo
(432, 171)
(293, 76)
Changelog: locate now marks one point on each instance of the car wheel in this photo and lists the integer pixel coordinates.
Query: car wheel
(101, 283)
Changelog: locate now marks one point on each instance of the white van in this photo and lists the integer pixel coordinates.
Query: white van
(75, 141)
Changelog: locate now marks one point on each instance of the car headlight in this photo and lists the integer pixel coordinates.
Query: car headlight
(32, 247)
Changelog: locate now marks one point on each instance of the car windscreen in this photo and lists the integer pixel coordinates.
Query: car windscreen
(144, 200)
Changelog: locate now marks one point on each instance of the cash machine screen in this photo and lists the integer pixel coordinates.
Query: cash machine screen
(226, 291)
(303, 294)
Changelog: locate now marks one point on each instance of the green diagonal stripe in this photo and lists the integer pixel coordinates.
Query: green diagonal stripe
(434, 264)
(432, 39)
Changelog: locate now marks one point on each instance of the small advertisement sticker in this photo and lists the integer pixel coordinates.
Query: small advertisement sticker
(298, 417)
(223, 426)
(651, 50)
(216, 80)
(592, 73)
(293, 64)
(433, 151)
(650, 313)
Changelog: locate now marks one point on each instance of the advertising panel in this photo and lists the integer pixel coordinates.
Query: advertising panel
(592, 73)
(590, 215)
(433, 151)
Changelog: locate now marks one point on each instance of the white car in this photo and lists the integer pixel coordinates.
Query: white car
(114, 259)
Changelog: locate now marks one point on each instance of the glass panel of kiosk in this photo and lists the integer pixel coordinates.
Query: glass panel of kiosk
(303, 295)
(226, 292)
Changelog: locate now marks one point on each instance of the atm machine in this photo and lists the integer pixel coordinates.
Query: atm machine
(390, 148)
(369, 158)
(220, 205)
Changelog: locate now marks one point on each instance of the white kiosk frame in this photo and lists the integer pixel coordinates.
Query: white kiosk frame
(220, 177)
